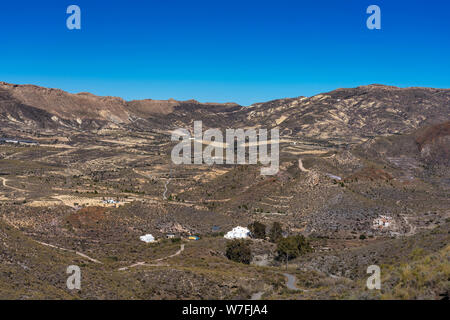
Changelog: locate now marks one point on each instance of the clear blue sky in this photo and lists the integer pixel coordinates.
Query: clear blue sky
(243, 51)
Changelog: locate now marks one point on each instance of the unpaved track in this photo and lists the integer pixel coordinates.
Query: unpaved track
(173, 255)
(143, 263)
(165, 185)
(291, 281)
(68, 250)
(120, 269)
(301, 167)
(158, 261)
(412, 228)
(14, 188)
(65, 152)
(64, 249)
(257, 295)
(165, 189)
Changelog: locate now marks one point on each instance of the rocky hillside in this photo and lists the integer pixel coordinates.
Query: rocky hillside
(363, 174)
(339, 117)
(22, 103)
(352, 115)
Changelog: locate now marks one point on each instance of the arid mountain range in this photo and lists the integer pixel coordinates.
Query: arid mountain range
(365, 111)
(364, 175)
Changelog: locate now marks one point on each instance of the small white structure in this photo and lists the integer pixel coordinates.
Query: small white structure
(238, 233)
(148, 238)
(110, 201)
(382, 222)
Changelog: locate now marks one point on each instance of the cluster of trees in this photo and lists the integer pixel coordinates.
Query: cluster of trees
(258, 231)
(288, 248)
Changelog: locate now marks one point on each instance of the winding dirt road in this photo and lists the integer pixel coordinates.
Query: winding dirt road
(14, 188)
(412, 228)
(301, 167)
(157, 264)
(143, 263)
(68, 250)
(291, 280)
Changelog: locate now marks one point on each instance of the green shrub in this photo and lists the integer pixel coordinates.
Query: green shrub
(292, 247)
(239, 251)
(258, 230)
(276, 232)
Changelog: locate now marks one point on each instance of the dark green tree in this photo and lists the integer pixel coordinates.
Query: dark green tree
(292, 247)
(276, 232)
(258, 230)
(239, 251)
